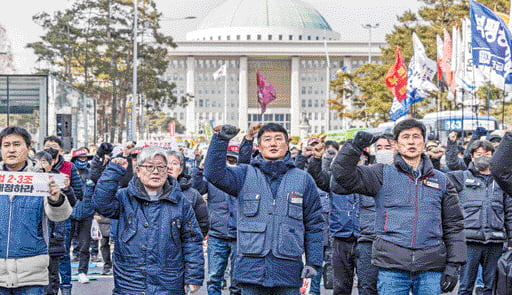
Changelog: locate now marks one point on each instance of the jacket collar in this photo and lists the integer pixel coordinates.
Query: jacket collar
(30, 166)
(272, 167)
(170, 190)
(426, 167)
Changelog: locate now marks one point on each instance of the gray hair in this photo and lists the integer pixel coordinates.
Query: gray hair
(150, 153)
(178, 155)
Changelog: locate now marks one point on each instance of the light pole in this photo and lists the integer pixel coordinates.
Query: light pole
(369, 27)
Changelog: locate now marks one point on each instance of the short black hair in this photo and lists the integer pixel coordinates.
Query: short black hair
(485, 144)
(43, 155)
(54, 139)
(332, 143)
(18, 131)
(408, 124)
(272, 127)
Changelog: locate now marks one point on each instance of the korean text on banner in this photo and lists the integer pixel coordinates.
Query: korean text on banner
(28, 183)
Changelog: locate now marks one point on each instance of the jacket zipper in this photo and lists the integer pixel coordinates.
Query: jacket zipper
(9, 228)
(415, 213)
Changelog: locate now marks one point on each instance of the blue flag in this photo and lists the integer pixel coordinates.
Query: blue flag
(398, 109)
(491, 40)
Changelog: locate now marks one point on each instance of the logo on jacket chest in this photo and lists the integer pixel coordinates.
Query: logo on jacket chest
(296, 198)
(432, 182)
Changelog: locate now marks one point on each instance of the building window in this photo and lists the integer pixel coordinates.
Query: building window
(248, 37)
(201, 103)
(303, 91)
(228, 37)
(269, 37)
(290, 37)
(310, 103)
(268, 117)
(316, 116)
(309, 38)
(303, 103)
(238, 37)
(300, 37)
(316, 102)
(259, 37)
(317, 38)
(280, 37)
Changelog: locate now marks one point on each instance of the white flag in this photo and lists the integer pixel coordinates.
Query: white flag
(420, 74)
(221, 72)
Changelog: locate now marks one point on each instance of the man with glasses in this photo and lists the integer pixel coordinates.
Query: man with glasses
(147, 260)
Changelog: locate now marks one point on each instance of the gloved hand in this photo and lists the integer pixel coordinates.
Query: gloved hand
(479, 132)
(308, 272)
(450, 277)
(363, 139)
(228, 132)
(104, 149)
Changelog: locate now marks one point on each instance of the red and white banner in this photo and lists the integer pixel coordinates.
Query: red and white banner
(172, 129)
(28, 183)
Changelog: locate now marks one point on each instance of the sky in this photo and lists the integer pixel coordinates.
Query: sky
(344, 16)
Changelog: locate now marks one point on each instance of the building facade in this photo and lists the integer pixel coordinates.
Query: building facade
(287, 41)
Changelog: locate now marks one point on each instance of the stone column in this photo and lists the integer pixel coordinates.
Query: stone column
(243, 105)
(295, 98)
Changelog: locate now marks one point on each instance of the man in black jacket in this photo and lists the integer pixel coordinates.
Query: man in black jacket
(419, 244)
(487, 217)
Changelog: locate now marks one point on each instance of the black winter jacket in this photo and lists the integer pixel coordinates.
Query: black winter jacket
(501, 163)
(197, 201)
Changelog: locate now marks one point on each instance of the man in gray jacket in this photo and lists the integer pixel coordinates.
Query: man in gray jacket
(23, 218)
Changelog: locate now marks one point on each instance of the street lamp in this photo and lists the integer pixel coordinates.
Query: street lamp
(369, 27)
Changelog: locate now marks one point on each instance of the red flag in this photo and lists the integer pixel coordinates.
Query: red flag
(396, 78)
(171, 128)
(446, 64)
(266, 92)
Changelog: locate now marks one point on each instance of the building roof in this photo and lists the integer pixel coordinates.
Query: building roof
(264, 16)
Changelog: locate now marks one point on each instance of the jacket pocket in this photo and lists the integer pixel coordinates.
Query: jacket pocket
(251, 204)
(497, 216)
(291, 241)
(294, 210)
(129, 230)
(176, 232)
(251, 238)
(473, 215)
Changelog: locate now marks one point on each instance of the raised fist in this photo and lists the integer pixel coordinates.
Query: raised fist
(105, 149)
(363, 139)
(227, 132)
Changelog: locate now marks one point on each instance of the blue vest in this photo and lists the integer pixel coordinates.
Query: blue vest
(483, 208)
(344, 217)
(21, 223)
(409, 210)
(271, 223)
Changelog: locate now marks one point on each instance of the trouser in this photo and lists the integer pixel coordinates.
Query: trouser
(367, 273)
(53, 276)
(486, 255)
(343, 265)
(27, 290)
(83, 228)
(250, 289)
(398, 282)
(65, 261)
(105, 253)
(324, 272)
(219, 253)
(94, 247)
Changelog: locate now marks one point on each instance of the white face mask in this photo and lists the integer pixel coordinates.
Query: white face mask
(385, 156)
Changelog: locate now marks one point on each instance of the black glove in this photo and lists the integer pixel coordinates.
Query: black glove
(363, 139)
(104, 149)
(479, 132)
(228, 132)
(450, 277)
(308, 272)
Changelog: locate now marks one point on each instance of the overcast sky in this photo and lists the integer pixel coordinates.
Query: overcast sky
(344, 16)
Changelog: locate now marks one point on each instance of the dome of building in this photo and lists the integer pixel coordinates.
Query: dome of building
(277, 20)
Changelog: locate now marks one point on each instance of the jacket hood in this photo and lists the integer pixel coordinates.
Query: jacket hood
(426, 165)
(185, 182)
(32, 166)
(170, 190)
(272, 167)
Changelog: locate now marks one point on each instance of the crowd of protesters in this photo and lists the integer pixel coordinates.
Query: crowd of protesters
(396, 213)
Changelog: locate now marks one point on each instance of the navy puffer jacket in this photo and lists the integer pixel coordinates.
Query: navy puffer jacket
(158, 244)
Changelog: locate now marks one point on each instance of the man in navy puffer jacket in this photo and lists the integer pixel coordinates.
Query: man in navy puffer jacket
(280, 215)
(159, 244)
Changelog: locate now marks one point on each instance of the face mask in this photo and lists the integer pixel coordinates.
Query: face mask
(482, 163)
(80, 164)
(327, 159)
(385, 157)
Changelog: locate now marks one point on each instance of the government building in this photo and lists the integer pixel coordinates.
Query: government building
(288, 41)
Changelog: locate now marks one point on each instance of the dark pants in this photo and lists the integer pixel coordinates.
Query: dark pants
(367, 274)
(324, 272)
(343, 265)
(28, 290)
(65, 261)
(83, 228)
(53, 276)
(94, 247)
(250, 289)
(219, 253)
(486, 255)
(105, 253)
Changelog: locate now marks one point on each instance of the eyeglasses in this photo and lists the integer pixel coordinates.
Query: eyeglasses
(151, 168)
